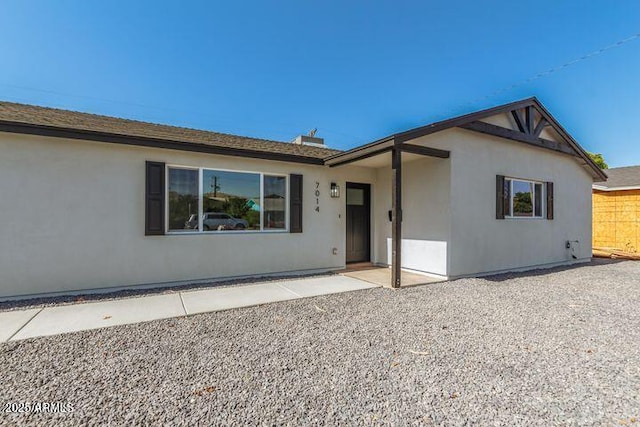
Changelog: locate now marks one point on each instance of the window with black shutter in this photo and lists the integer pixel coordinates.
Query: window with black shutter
(522, 198)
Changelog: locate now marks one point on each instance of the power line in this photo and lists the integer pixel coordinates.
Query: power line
(470, 103)
(113, 101)
(191, 113)
(557, 68)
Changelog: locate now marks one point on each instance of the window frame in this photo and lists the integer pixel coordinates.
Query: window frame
(533, 199)
(201, 202)
(167, 203)
(286, 204)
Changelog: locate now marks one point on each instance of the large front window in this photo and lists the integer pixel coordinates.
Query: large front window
(235, 194)
(211, 200)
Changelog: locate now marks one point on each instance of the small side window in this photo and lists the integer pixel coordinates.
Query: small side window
(523, 198)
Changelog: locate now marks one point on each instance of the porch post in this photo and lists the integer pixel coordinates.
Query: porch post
(396, 215)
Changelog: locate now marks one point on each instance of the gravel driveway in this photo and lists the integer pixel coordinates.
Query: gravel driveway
(557, 347)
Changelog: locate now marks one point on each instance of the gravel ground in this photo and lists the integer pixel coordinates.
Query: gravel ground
(555, 347)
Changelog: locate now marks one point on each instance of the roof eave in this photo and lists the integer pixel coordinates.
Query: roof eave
(618, 188)
(426, 130)
(360, 152)
(71, 133)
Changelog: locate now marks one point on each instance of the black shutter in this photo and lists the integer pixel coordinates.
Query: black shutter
(549, 200)
(295, 203)
(154, 199)
(500, 197)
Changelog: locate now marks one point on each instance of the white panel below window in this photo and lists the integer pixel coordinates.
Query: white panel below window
(429, 256)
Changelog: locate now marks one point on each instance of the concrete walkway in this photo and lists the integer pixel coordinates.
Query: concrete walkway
(36, 322)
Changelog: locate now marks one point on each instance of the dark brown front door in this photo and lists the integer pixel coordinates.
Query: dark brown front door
(358, 222)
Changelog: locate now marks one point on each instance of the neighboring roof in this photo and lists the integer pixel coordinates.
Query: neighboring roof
(463, 121)
(627, 178)
(22, 118)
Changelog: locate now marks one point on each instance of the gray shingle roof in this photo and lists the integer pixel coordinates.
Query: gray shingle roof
(622, 177)
(55, 118)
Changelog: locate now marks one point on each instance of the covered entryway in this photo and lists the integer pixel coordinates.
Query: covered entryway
(426, 214)
(358, 222)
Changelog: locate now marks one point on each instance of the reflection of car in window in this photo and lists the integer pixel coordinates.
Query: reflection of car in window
(216, 221)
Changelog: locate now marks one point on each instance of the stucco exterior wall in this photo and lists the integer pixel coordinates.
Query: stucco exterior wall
(426, 225)
(479, 243)
(616, 219)
(72, 217)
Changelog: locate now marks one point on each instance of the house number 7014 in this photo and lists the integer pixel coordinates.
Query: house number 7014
(317, 196)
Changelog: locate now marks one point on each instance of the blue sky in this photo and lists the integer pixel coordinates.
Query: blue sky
(356, 70)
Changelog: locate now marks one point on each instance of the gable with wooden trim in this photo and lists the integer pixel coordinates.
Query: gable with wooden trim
(526, 121)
